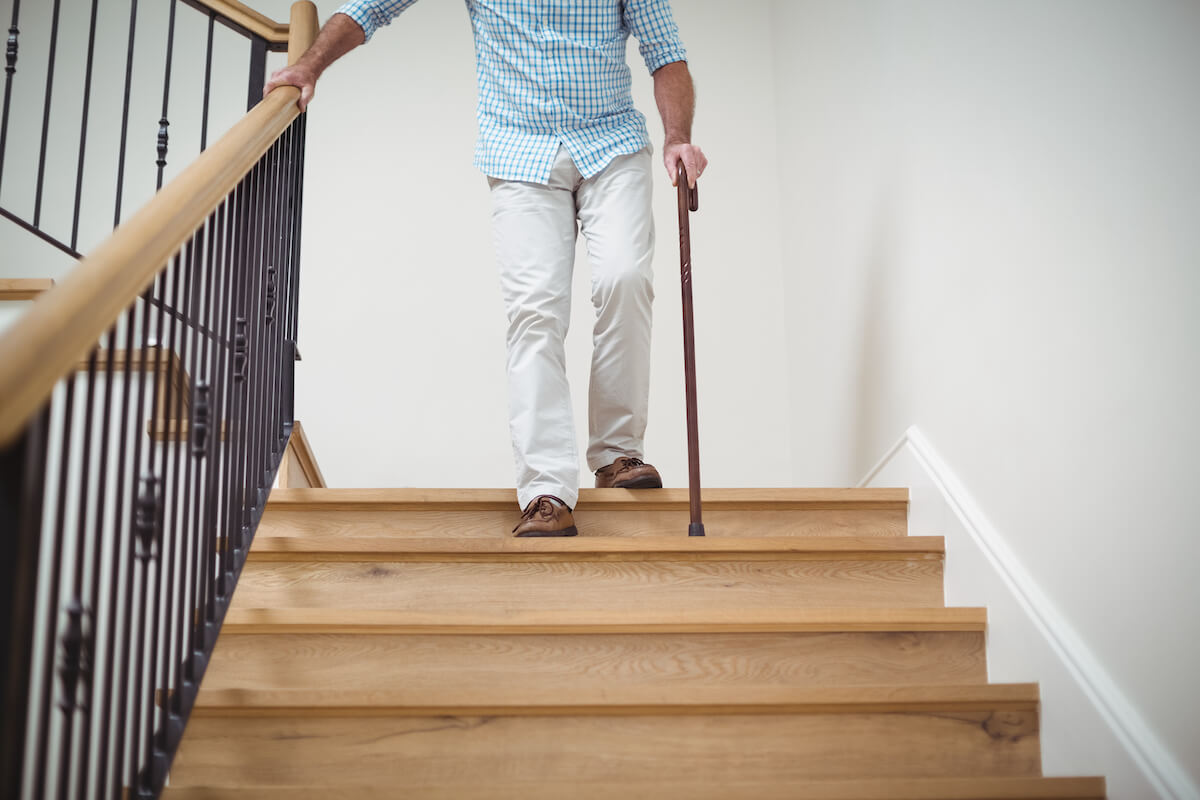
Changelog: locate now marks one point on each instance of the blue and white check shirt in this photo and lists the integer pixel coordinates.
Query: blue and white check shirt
(553, 72)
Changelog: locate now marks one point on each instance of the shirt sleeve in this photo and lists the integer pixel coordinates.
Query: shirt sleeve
(371, 15)
(654, 26)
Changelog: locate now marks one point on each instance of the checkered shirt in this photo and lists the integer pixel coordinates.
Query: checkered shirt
(553, 72)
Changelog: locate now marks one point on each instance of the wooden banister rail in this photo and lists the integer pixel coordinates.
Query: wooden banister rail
(66, 322)
(276, 33)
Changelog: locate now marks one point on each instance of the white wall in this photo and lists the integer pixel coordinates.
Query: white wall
(994, 236)
(402, 328)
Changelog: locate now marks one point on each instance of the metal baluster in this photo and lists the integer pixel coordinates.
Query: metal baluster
(97, 551)
(133, 9)
(164, 123)
(37, 203)
(10, 67)
(178, 617)
(204, 445)
(51, 623)
(22, 492)
(258, 71)
(87, 97)
(122, 567)
(162, 405)
(143, 498)
(208, 52)
(148, 529)
(78, 640)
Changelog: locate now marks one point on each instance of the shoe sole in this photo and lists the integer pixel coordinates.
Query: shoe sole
(644, 482)
(571, 531)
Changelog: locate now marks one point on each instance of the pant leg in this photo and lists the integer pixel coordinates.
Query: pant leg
(534, 230)
(617, 220)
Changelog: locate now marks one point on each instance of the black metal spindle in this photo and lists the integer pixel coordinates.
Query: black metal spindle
(176, 621)
(103, 701)
(205, 441)
(147, 534)
(22, 486)
(258, 71)
(160, 431)
(57, 523)
(133, 13)
(75, 670)
(83, 125)
(41, 172)
(208, 53)
(218, 465)
(11, 50)
(164, 122)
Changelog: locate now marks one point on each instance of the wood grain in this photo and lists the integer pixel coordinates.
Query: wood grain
(666, 700)
(601, 585)
(599, 521)
(645, 499)
(24, 288)
(489, 620)
(564, 661)
(445, 751)
(253, 21)
(319, 547)
(303, 460)
(737, 787)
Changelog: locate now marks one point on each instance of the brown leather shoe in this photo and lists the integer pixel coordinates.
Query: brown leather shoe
(628, 473)
(546, 515)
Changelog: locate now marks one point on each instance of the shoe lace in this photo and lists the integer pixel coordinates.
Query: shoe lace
(630, 463)
(544, 501)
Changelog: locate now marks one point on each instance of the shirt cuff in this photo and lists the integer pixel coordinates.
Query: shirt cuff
(660, 57)
(366, 17)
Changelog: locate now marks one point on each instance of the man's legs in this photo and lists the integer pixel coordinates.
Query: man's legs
(617, 220)
(534, 230)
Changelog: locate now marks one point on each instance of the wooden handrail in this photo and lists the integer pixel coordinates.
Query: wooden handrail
(64, 324)
(241, 14)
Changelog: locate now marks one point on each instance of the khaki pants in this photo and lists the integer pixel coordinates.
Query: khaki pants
(535, 227)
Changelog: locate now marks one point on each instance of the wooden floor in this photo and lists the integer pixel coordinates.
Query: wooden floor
(388, 644)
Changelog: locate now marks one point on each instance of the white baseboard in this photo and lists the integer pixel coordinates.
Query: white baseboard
(1089, 726)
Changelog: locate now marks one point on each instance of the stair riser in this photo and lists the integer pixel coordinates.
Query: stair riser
(893, 789)
(612, 586)
(598, 522)
(443, 751)
(349, 661)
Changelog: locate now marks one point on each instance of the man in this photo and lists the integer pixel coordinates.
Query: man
(562, 145)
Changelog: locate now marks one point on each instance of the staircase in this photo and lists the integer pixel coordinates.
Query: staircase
(400, 643)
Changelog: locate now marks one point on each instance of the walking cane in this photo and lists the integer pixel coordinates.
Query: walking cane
(689, 200)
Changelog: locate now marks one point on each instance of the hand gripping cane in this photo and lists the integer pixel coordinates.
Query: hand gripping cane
(689, 200)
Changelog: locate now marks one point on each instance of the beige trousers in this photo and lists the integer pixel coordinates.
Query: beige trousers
(535, 227)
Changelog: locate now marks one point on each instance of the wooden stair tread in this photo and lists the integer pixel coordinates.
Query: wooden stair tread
(589, 499)
(502, 700)
(327, 547)
(24, 288)
(984, 788)
(799, 620)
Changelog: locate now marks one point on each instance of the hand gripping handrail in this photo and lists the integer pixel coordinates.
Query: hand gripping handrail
(689, 200)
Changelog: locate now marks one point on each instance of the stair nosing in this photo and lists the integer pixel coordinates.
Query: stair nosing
(935, 788)
(672, 499)
(623, 701)
(606, 548)
(576, 621)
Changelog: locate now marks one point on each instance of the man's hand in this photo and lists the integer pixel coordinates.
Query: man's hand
(676, 104)
(298, 75)
(692, 157)
(340, 35)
